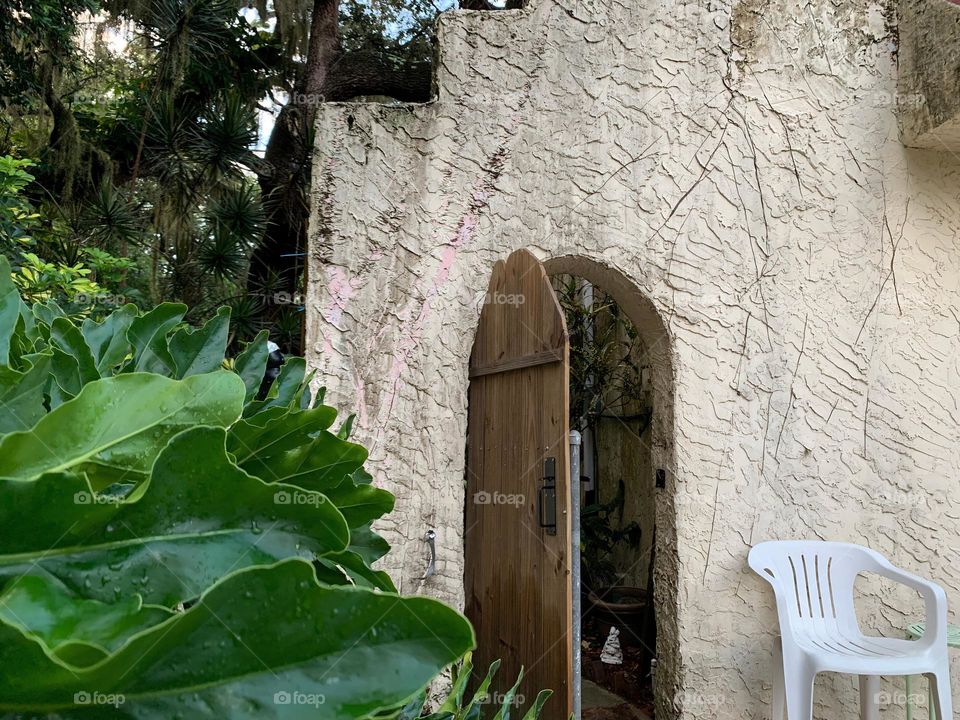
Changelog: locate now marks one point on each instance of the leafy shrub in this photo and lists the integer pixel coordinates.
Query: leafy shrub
(172, 546)
(454, 706)
(80, 279)
(17, 216)
(40, 281)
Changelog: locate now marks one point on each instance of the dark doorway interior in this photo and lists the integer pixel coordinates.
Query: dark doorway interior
(611, 405)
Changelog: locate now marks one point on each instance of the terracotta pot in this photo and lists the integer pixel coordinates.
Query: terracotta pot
(622, 606)
(620, 600)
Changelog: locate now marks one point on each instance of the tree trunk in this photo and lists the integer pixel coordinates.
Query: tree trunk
(329, 75)
(286, 175)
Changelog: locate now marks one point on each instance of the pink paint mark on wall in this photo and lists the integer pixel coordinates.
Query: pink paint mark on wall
(447, 258)
(468, 224)
(341, 289)
(466, 230)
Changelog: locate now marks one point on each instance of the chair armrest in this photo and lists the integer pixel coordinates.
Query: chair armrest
(934, 598)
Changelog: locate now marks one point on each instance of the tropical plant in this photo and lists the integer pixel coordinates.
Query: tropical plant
(25, 27)
(146, 154)
(601, 533)
(604, 346)
(173, 546)
(456, 707)
(605, 376)
(144, 116)
(40, 281)
(17, 215)
(71, 282)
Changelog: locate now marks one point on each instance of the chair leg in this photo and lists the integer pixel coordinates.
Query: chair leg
(909, 696)
(779, 690)
(799, 691)
(940, 682)
(870, 697)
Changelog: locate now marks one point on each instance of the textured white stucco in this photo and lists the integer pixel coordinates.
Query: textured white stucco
(740, 164)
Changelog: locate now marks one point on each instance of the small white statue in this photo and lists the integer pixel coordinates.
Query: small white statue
(612, 655)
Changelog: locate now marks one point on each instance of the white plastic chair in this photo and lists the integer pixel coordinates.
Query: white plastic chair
(813, 583)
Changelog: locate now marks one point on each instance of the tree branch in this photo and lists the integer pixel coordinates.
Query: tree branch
(364, 72)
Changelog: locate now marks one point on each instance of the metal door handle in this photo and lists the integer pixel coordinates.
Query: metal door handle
(547, 497)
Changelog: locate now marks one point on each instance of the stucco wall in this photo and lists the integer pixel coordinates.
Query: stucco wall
(741, 164)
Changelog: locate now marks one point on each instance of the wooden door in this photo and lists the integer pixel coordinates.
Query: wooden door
(517, 574)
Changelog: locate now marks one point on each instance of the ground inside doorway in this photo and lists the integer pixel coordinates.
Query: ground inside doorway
(601, 704)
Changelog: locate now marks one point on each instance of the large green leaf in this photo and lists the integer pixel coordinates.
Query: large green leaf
(114, 429)
(148, 336)
(68, 338)
(292, 448)
(65, 381)
(195, 502)
(9, 309)
(21, 395)
(331, 652)
(47, 312)
(201, 350)
(107, 340)
(363, 652)
(368, 545)
(276, 431)
(79, 632)
(157, 548)
(251, 364)
(288, 389)
(360, 504)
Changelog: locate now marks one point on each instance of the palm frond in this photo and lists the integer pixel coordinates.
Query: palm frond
(111, 219)
(222, 140)
(238, 210)
(223, 254)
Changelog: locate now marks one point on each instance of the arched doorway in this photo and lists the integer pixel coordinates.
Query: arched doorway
(517, 443)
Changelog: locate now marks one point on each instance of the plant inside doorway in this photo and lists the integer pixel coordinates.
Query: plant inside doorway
(609, 406)
(600, 535)
(606, 376)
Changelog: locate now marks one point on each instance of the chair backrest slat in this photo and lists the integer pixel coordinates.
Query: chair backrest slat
(814, 579)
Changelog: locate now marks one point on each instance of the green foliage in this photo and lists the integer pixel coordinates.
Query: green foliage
(604, 346)
(172, 546)
(149, 156)
(605, 379)
(480, 705)
(600, 534)
(25, 26)
(148, 152)
(17, 216)
(41, 281)
(79, 283)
